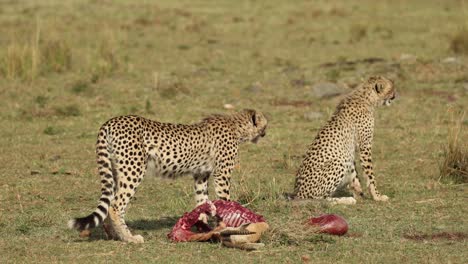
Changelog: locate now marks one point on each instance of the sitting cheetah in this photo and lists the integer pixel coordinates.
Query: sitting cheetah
(128, 147)
(330, 161)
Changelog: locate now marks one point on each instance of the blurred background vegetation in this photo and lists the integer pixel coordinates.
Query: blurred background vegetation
(68, 66)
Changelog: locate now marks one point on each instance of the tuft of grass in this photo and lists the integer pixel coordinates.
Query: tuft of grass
(333, 75)
(107, 59)
(27, 61)
(39, 56)
(459, 42)
(454, 167)
(52, 131)
(294, 231)
(23, 229)
(56, 56)
(183, 47)
(248, 193)
(289, 161)
(384, 32)
(69, 110)
(18, 62)
(357, 33)
(41, 100)
(148, 107)
(171, 90)
(80, 87)
(130, 110)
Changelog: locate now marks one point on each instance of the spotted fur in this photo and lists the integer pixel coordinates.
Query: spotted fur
(130, 147)
(330, 160)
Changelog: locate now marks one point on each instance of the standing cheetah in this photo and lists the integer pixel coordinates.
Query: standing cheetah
(330, 161)
(128, 147)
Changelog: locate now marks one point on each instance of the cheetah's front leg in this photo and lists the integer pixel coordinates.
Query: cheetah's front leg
(201, 194)
(355, 184)
(128, 180)
(366, 162)
(223, 183)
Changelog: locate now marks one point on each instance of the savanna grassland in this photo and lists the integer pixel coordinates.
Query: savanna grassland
(68, 66)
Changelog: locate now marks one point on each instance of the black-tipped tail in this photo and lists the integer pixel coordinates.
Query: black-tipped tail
(87, 222)
(289, 196)
(107, 186)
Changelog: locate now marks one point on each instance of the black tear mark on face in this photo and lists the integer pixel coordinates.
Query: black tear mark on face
(378, 88)
(254, 119)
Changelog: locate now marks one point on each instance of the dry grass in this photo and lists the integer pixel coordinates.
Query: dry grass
(27, 61)
(15, 62)
(47, 52)
(459, 42)
(454, 167)
(357, 33)
(106, 59)
(293, 230)
(56, 55)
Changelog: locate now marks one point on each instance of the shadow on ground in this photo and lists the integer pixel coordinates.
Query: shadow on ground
(143, 224)
(154, 224)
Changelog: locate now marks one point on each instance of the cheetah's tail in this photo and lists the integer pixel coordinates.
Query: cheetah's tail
(107, 186)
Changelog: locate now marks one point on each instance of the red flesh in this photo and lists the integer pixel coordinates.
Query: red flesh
(330, 223)
(231, 213)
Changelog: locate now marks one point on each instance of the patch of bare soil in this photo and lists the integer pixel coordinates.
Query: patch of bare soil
(450, 236)
(371, 60)
(297, 103)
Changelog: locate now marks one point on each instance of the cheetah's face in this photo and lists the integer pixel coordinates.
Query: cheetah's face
(384, 88)
(256, 126)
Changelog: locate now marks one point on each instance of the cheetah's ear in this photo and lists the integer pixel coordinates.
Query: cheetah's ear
(253, 115)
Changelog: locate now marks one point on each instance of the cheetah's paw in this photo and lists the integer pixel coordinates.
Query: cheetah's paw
(347, 200)
(381, 198)
(342, 200)
(137, 239)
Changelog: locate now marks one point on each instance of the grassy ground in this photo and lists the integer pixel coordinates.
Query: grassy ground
(68, 66)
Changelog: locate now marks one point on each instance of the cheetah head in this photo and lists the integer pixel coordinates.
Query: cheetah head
(384, 91)
(255, 127)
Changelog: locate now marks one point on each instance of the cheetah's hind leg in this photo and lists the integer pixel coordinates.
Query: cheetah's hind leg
(127, 186)
(118, 229)
(345, 176)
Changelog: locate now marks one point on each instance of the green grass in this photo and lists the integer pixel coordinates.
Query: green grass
(454, 167)
(68, 66)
